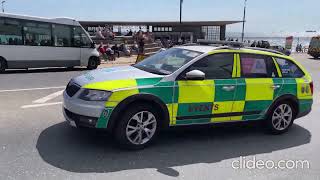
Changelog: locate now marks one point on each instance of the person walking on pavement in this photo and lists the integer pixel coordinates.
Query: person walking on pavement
(141, 46)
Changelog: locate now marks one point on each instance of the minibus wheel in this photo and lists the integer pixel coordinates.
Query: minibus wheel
(3, 65)
(93, 63)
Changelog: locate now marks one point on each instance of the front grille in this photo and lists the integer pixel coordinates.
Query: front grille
(72, 89)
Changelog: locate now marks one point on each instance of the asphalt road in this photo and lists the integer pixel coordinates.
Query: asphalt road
(36, 143)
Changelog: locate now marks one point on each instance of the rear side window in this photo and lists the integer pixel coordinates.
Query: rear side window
(257, 66)
(289, 69)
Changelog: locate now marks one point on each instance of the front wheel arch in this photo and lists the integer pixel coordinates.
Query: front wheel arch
(286, 98)
(150, 99)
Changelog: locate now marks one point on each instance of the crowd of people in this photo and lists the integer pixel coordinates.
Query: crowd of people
(301, 49)
(105, 33)
(110, 53)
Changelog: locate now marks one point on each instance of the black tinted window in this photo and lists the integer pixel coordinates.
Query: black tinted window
(289, 69)
(10, 32)
(80, 38)
(257, 66)
(218, 66)
(37, 34)
(62, 35)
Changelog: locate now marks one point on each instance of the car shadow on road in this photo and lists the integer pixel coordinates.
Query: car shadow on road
(85, 151)
(42, 70)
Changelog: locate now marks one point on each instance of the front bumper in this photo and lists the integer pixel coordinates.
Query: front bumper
(80, 113)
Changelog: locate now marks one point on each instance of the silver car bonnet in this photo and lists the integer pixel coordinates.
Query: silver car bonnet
(113, 73)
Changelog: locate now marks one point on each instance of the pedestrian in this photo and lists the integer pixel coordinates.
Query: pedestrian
(116, 50)
(102, 51)
(141, 46)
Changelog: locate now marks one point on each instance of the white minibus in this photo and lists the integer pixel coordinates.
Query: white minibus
(33, 42)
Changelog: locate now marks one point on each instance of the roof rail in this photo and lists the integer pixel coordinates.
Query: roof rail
(266, 50)
(190, 44)
(222, 43)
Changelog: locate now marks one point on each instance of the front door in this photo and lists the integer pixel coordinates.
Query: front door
(209, 100)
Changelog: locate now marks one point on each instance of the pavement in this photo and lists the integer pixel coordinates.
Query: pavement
(36, 143)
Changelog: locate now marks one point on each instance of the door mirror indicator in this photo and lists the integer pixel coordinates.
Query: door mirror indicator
(195, 75)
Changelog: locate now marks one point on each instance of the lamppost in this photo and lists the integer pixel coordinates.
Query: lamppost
(181, 2)
(244, 19)
(2, 4)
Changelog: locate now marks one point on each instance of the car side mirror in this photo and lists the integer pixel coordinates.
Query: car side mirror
(93, 45)
(195, 75)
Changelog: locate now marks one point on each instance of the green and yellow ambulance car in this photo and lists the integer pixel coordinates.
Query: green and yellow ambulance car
(190, 85)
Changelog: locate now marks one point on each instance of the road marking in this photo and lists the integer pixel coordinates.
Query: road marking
(31, 89)
(48, 98)
(40, 105)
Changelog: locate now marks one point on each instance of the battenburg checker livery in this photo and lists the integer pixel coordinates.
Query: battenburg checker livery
(190, 85)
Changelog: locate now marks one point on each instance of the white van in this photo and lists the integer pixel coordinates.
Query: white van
(33, 42)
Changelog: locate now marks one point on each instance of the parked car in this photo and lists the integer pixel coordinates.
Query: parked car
(314, 47)
(281, 49)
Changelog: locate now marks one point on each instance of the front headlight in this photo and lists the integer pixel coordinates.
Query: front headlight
(94, 95)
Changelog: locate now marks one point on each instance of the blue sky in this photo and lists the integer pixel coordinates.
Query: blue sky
(263, 16)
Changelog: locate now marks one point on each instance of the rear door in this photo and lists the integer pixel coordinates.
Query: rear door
(295, 83)
(257, 86)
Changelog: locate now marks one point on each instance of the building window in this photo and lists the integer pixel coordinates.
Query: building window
(211, 32)
(162, 29)
(155, 28)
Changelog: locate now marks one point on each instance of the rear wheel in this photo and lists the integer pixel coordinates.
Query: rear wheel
(93, 63)
(3, 65)
(281, 118)
(138, 127)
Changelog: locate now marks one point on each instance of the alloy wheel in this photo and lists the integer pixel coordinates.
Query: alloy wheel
(282, 117)
(141, 127)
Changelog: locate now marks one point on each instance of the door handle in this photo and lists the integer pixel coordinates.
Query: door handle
(228, 88)
(275, 86)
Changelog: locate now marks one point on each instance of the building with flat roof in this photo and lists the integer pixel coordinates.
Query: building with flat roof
(189, 30)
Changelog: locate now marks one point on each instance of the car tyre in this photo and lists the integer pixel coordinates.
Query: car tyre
(92, 64)
(280, 118)
(3, 65)
(70, 68)
(138, 127)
